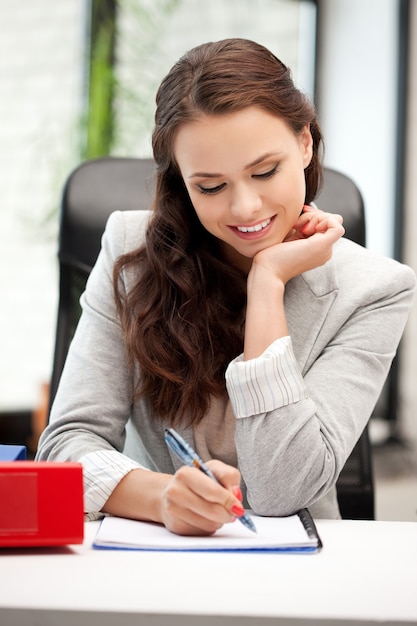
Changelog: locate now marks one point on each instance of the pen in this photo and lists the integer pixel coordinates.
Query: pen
(188, 456)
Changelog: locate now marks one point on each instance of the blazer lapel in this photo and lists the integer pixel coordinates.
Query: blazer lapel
(308, 300)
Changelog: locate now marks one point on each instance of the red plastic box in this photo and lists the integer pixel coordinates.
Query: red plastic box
(41, 504)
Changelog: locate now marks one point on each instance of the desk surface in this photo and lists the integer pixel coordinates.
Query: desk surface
(365, 574)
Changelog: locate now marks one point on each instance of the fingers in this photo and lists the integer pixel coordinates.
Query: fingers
(193, 503)
(308, 245)
(313, 221)
(218, 494)
(332, 227)
(227, 475)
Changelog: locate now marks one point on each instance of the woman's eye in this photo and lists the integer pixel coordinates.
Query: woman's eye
(268, 174)
(211, 190)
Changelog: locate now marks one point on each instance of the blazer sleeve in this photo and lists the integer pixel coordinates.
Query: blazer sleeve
(291, 444)
(94, 397)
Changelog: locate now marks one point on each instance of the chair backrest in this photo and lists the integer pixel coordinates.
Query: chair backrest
(92, 192)
(97, 188)
(340, 194)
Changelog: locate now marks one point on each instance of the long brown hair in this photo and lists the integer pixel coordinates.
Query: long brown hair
(183, 320)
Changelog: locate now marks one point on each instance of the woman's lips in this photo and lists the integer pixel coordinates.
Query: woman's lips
(253, 231)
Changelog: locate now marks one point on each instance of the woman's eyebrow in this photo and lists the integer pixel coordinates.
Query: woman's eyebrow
(262, 158)
(204, 175)
(258, 160)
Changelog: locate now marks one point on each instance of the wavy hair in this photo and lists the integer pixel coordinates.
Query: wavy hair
(184, 318)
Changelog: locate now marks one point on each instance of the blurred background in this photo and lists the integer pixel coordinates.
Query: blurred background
(78, 81)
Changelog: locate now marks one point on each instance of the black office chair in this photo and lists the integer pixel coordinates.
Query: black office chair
(97, 188)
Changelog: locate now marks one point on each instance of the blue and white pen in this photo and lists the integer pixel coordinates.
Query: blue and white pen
(189, 457)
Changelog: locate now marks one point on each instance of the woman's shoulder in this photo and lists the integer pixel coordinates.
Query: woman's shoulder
(370, 268)
(125, 230)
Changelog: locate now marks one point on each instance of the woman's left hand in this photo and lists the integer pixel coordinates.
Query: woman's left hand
(312, 221)
(309, 244)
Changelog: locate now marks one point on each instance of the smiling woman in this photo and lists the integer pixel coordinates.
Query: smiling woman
(234, 311)
(244, 172)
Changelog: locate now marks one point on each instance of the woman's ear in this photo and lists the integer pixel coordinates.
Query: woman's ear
(306, 142)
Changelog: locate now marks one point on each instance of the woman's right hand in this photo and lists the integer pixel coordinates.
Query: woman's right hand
(187, 503)
(194, 504)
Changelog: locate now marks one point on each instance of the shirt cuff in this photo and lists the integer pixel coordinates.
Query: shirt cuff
(102, 472)
(270, 381)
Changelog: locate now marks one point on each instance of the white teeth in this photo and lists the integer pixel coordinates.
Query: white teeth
(253, 229)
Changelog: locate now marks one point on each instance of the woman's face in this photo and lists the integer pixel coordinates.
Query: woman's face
(244, 173)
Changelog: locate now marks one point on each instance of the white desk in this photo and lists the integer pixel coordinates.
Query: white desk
(365, 574)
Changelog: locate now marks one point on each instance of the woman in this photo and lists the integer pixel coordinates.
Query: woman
(240, 315)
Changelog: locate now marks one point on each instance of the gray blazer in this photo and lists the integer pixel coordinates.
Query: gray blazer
(345, 319)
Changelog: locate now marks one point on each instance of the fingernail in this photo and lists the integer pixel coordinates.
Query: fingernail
(237, 493)
(238, 510)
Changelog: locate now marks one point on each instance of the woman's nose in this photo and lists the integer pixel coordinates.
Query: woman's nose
(246, 202)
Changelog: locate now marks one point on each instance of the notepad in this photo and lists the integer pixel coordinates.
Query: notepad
(296, 533)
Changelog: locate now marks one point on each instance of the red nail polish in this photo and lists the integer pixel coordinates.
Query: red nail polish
(237, 493)
(238, 510)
